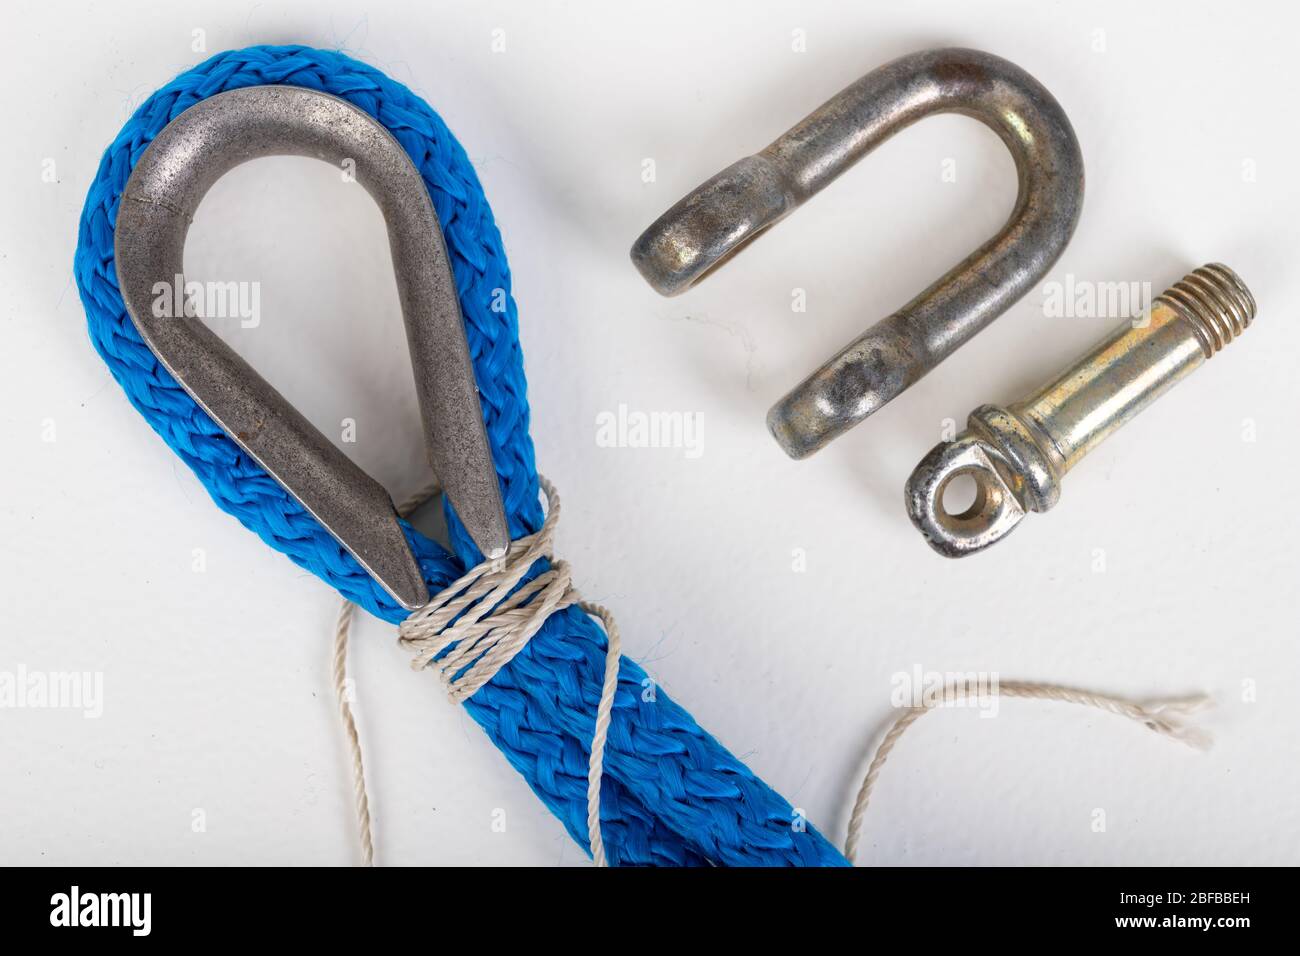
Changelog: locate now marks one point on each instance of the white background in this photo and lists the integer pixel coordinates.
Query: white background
(217, 692)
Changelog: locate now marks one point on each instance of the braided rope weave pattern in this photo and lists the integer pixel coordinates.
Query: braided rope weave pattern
(672, 795)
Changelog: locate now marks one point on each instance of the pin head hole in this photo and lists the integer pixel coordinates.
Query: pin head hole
(959, 494)
(969, 499)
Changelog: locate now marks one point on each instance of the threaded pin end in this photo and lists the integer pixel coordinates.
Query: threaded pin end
(1215, 302)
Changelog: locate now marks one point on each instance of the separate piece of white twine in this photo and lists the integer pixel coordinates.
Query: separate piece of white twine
(475, 626)
(1161, 715)
(472, 629)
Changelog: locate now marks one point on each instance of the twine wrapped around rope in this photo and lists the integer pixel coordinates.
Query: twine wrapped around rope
(471, 630)
(479, 623)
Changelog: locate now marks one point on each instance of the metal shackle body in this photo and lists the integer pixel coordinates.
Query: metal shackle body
(728, 211)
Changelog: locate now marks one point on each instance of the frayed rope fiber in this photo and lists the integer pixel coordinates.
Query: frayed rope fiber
(672, 795)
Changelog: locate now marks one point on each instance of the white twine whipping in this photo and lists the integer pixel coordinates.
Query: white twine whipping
(473, 628)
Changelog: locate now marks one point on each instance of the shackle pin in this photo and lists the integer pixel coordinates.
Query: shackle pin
(1018, 454)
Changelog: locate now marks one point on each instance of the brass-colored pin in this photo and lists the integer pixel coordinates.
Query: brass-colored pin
(1018, 454)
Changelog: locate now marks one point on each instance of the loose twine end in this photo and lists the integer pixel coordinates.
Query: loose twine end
(1164, 715)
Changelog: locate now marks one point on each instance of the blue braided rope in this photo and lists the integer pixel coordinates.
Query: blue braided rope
(671, 793)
